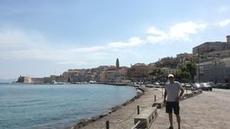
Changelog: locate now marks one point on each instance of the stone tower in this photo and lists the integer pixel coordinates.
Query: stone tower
(117, 63)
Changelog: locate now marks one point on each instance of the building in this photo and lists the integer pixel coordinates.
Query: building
(184, 57)
(112, 74)
(138, 72)
(213, 61)
(30, 80)
(210, 50)
(228, 38)
(217, 71)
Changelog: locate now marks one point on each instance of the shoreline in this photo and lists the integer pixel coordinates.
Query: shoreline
(84, 122)
(122, 116)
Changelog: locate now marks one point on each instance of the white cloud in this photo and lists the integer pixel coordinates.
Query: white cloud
(224, 23)
(180, 31)
(154, 31)
(17, 44)
(155, 35)
(132, 42)
(185, 29)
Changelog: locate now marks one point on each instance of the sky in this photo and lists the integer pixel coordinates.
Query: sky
(44, 37)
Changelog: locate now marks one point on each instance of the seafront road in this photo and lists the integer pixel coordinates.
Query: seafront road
(209, 110)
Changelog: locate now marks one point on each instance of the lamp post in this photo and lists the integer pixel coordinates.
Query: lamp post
(198, 65)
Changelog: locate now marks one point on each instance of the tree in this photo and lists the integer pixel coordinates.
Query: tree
(157, 74)
(191, 69)
(117, 63)
(187, 72)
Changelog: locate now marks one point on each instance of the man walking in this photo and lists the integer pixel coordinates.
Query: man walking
(173, 92)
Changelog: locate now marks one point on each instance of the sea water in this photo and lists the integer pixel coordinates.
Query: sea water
(56, 106)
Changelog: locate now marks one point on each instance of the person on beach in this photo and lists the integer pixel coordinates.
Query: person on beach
(172, 95)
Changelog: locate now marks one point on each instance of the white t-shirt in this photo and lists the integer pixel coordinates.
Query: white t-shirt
(173, 91)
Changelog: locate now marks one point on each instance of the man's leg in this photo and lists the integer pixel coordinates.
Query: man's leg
(177, 113)
(171, 119)
(178, 120)
(169, 107)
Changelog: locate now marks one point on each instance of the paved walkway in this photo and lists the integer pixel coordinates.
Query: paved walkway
(124, 118)
(209, 110)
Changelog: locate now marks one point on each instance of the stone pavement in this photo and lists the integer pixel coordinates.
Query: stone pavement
(123, 118)
(209, 110)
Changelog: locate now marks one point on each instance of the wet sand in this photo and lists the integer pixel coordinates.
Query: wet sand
(209, 110)
(123, 118)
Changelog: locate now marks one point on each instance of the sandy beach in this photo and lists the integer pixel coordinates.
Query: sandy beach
(123, 117)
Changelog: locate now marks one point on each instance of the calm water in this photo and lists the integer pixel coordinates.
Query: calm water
(59, 106)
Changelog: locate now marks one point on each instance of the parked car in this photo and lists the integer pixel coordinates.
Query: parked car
(156, 83)
(196, 86)
(203, 86)
(206, 86)
(223, 85)
(187, 86)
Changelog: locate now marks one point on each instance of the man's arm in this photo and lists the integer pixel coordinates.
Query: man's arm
(181, 91)
(165, 94)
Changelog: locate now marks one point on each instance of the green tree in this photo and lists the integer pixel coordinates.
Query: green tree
(157, 74)
(187, 72)
(191, 69)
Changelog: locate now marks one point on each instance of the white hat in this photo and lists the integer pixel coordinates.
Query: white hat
(171, 75)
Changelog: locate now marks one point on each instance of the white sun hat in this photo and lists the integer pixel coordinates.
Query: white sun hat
(171, 75)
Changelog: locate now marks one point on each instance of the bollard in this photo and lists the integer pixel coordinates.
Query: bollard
(155, 98)
(138, 109)
(107, 124)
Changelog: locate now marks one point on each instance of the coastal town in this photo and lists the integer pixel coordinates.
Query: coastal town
(209, 62)
(114, 64)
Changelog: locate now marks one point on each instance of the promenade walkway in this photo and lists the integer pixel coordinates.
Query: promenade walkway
(209, 110)
(123, 118)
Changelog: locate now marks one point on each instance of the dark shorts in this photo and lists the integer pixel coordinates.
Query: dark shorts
(172, 106)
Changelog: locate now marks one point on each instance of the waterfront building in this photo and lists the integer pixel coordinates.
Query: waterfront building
(184, 57)
(138, 72)
(167, 70)
(30, 80)
(213, 61)
(217, 71)
(210, 50)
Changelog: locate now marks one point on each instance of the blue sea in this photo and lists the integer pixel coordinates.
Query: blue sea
(56, 106)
